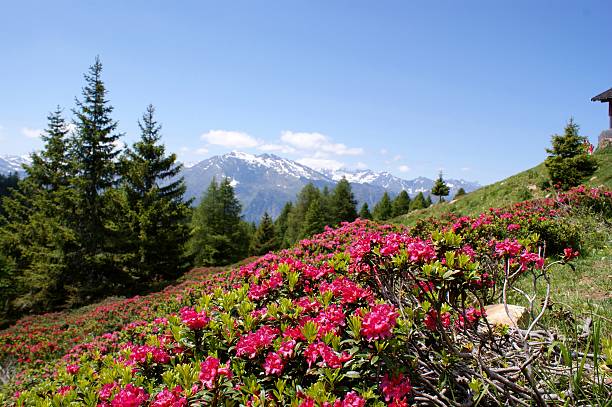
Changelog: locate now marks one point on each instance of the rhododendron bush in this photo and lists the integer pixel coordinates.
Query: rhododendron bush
(364, 314)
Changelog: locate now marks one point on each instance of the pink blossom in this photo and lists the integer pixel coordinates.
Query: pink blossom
(193, 319)
(274, 364)
(167, 398)
(379, 322)
(250, 344)
(396, 387)
(130, 396)
(72, 369)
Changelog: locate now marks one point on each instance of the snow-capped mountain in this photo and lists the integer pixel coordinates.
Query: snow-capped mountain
(12, 163)
(394, 184)
(266, 182)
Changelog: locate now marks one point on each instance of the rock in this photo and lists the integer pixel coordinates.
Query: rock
(532, 187)
(496, 314)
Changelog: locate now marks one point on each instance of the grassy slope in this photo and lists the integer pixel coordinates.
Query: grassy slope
(519, 187)
(585, 290)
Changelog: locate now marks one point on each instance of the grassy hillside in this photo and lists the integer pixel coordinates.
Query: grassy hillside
(522, 186)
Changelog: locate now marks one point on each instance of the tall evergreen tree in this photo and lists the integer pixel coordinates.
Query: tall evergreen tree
(401, 204)
(265, 239)
(440, 188)
(569, 161)
(418, 202)
(383, 209)
(343, 203)
(364, 212)
(282, 223)
(295, 222)
(95, 156)
(313, 220)
(218, 234)
(156, 210)
(37, 233)
(428, 201)
(460, 193)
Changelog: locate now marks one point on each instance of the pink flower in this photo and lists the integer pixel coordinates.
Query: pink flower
(210, 369)
(286, 348)
(330, 358)
(274, 364)
(513, 226)
(130, 396)
(430, 320)
(396, 387)
(193, 319)
(72, 369)
(569, 253)
(250, 344)
(508, 248)
(64, 389)
(168, 398)
(351, 399)
(107, 390)
(379, 322)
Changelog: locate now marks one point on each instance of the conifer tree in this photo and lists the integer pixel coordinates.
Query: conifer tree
(313, 220)
(383, 209)
(8, 182)
(156, 210)
(281, 223)
(96, 172)
(343, 203)
(265, 239)
(428, 201)
(295, 222)
(440, 188)
(418, 202)
(401, 204)
(37, 232)
(569, 161)
(364, 212)
(460, 193)
(218, 234)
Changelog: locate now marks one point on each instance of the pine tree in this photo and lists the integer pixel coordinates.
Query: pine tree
(418, 202)
(265, 239)
(218, 234)
(460, 193)
(38, 230)
(401, 204)
(569, 161)
(364, 212)
(156, 210)
(96, 172)
(281, 223)
(428, 201)
(343, 203)
(383, 209)
(313, 220)
(440, 188)
(296, 218)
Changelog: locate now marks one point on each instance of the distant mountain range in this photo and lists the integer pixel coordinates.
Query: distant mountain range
(12, 163)
(266, 182)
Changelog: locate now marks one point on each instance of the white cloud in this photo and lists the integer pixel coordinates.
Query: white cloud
(119, 145)
(317, 142)
(397, 157)
(230, 139)
(277, 148)
(201, 151)
(31, 133)
(321, 163)
(465, 169)
(384, 151)
(403, 168)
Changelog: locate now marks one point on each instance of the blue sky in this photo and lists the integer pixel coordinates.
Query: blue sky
(475, 88)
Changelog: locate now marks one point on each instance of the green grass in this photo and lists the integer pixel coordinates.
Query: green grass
(522, 186)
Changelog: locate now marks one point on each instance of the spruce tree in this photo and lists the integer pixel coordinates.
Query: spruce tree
(364, 212)
(37, 232)
(281, 224)
(460, 193)
(343, 203)
(428, 201)
(313, 220)
(95, 156)
(401, 204)
(8, 182)
(218, 234)
(156, 210)
(264, 239)
(569, 161)
(296, 218)
(383, 210)
(418, 202)
(440, 188)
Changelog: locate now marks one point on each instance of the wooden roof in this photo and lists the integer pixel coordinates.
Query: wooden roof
(603, 97)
